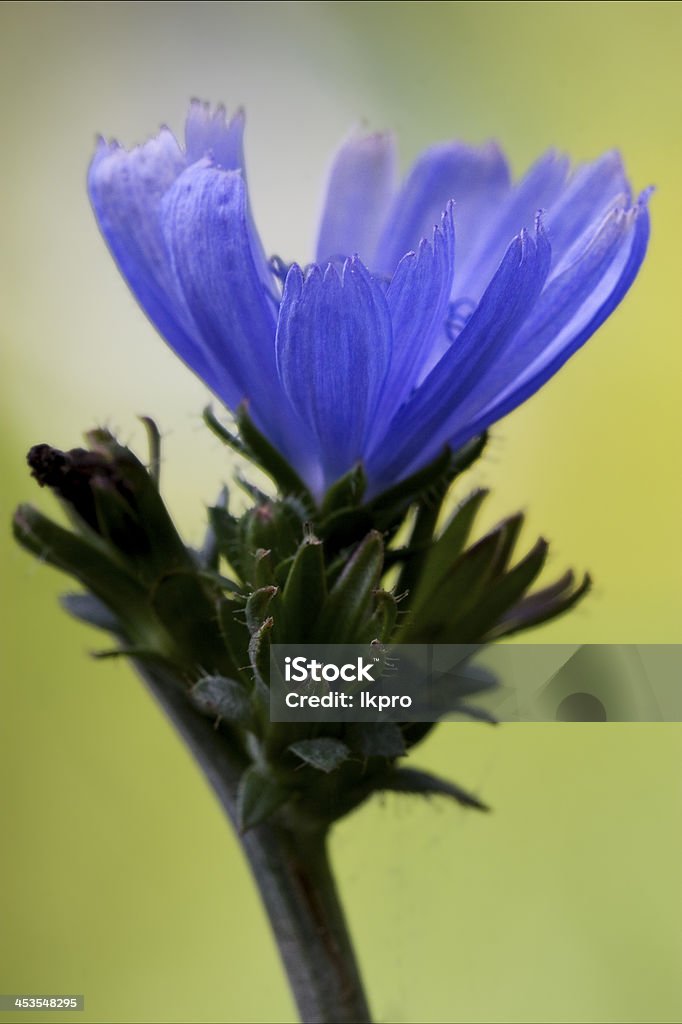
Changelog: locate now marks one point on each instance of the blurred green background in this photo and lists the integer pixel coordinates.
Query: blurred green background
(120, 880)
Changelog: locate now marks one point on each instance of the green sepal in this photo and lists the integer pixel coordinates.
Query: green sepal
(381, 623)
(509, 530)
(263, 569)
(305, 591)
(91, 611)
(222, 698)
(346, 492)
(209, 553)
(542, 606)
(230, 539)
(349, 600)
(258, 796)
(231, 616)
(223, 434)
(434, 479)
(258, 607)
(376, 739)
(503, 592)
(259, 659)
(458, 590)
(85, 561)
(412, 780)
(277, 526)
(154, 442)
(445, 551)
(121, 527)
(269, 459)
(167, 551)
(187, 609)
(323, 753)
(140, 653)
(342, 528)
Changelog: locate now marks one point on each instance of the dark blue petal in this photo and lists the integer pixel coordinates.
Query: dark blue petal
(333, 351)
(422, 427)
(418, 298)
(561, 323)
(126, 190)
(358, 195)
(475, 177)
(207, 232)
(209, 133)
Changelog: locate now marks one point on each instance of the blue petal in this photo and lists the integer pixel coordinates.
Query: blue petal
(475, 177)
(535, 191)
(418, 298)
(333, 351)
(209, 133)
(572, 308)
(207, 232)
(126, 190)
(423, 426)
(591, 191)
(358, 194)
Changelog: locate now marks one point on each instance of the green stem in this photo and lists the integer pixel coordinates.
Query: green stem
(291, 868)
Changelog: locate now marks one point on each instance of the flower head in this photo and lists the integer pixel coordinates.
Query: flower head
(434, 307)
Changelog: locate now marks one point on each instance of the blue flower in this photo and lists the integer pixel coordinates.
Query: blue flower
(433, 308)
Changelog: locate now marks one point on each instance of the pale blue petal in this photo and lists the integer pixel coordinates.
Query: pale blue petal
(126, 190)
(572, 308)
(209, 133)
(536, 191)
(476, 178)
(590, 193)
(360, 188)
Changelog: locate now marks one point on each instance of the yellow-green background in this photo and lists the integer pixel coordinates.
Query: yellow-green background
(119, 878)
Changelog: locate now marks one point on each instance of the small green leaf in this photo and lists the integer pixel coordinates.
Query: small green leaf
(411, 780)
(258, 797)
(222, 698)
(349, 600)
(324, 753)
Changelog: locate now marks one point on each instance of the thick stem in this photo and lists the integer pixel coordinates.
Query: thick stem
(291, 867)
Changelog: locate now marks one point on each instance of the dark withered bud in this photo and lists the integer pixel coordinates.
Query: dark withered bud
(106, 489)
